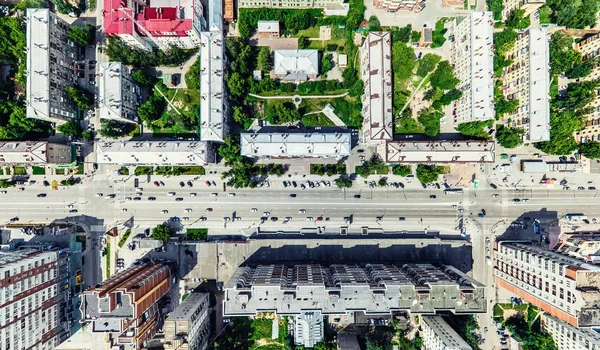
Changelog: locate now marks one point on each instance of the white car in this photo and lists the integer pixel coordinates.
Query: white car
(301, 211)
(226, 218)
(139, 194)
(21, 189)
(193, 194)
(4, 192)
(254, 210)
(70, 206)
(128, 198)
(310, 218)
(495, 195)
(124, 210)
(237, 218)
(188, 210)
(165, 212)
(214, 194)
(185, 218)
(109, 196)
(232, 195)
(171, 194)
(267, 214)
(139, 189)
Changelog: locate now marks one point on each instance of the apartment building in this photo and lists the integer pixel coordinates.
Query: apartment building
(188, 326)
(33, 303)
(308, 328)
(567, 337)
(584, 246)
(156, 152)
(34, 153)
(338, 289)
(51, 66)
(562, 286)
(155, 23)
(296, 66)
(118, 94)
(296, 145)
(439, 152)
(473, 58)
(124, 306)
(529, 6)
(398, 5)
(330, 7)
(376, 73)
(527, 79)
(438, 335)
(590, 48)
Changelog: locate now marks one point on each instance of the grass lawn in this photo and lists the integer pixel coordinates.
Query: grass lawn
(20, 170)
(312, 32)
(316, 120)
(197, 234)
(408, 125)
(143, 170)
(80, 169)
(37, 170)
(554, 87)
(107, 259)
(187, 103)
(262, 328)
(312, 105)
(1, 171)
(124, 238)
(262, 331)
(180, 170)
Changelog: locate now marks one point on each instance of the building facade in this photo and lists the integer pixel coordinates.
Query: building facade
(529, 6)
(589, 49)
(527, 80)
(473, 58)
(118, 94)
(375, 289)
(567, 337)
(188, 326)
(562, 286)
(124, 306)
(155, 152)
(438, 335)
(376, 73)
(34, 153)
(156, 23)
(331, 7)
(33, 303)
(584, 246)
(439, 152)
(51, 67)
(296, 145)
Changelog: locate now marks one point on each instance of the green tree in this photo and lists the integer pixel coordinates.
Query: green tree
(143, 79)
(79, 35)
(343, 182)
(562, 55)
(431, 122)
(113, 129)
(443, 77)
(403, 62)
(427, 64)
(382, 182)
(326, 63)
(401, 34)
(197, 234)
(82, 98)
(236, 85)
(504, 40)
(517, 19)
(152, 109)
(374, 25)
(451, 95)
(476, 129)
(415, 36)
(64, 7)
(263, 60)
(563, 125)
(402, 170)
(70, 128)
(574, 14)
(276, 169)
(87, 135)
(509, 137)
(590, 149)
(6, 183)
(429, 173)
(161, 232)
(581, 70)
(192, 76)
(497, 7)
(239, 115)
(281, 113)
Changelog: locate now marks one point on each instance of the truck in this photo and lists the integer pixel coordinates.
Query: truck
(575, 217)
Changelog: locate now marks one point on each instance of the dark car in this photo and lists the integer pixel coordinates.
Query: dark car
(137, 198)
(181, 184)
(156, 184)
(357, 196)
(433, 196)
(274, 218)
(190, 184)
(151, 198)
(46, 183)
(493, 186)
(179, 199)
(41, 195)
(483, 212)
(73, 211)
(516, 200)
(293, 195)
(294, 184)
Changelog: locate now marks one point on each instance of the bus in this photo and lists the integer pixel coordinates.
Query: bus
(453, 191)
(575, 217)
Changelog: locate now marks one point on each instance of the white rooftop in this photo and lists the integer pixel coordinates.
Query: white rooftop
(440, 151)
(38, 63)
(211, 86)
(109, 90)
(482, 65)
(296, 64)
(377, 76)
(539, 85)
(24, 152)
(283, 145)
(153, 152)
(268, 27)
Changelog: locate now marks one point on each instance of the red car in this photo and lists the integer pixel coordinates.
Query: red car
(208, 209)
(320, 218)
(207, 183)
(156, 184)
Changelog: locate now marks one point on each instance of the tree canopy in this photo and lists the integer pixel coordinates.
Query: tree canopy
(70, 128)
(562, 55)
(263, 60)
(497, 7)
(292, 20)
(117, 50)
(427, 64)
(153, 108)
(476, 129)
(509, 137)
(590, 149)
(517, 20)
(81, 97)
(431, 122)
(113, 129)
(374, 24)
(192, 76)
(403, 62)
(281, 113)
(429, 173)
(82, 35)
(574, 13)
(402, 170)
(161, 232)
(443, 77)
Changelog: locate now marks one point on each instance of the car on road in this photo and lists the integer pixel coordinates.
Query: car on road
(516, 200)
(3, 192)
(73, 211)
(203, 218)
(292, 195)
(41, 195)
(433, 196)
(525, 200)
(357, 196)
(294, 184)
(320, 218)
(214, 194)
(254, 210)
(402, 218)
(301, 211)
(171, 194)
(190, 184)
(70, 206)
(566, 188)
(151, 198)
(137, 198)
(193, 194)
(274, 218)
(162, 183)
(21, 189)
(174, 219)
(267, 214)
(207, 183)
(592, 188)
(483, 212)
(109, 196)
(495, 195)
(185, 218)
(226, 218)
(124, 210)
(178, 199)
(46, 183)
(165, 212)
(181, 184)
(209, 209)
(481, 215)
(493, 186)
(188, 210)
(99, 195)
(581, 188)
(310, 218)
(156, 184)
(127, 198)
(231, 195)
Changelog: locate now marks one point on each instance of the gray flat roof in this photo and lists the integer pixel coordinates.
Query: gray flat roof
(475, 151)
(278, 144)
(38, 63)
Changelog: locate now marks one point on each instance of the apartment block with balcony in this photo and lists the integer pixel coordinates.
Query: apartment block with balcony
(527, 79)
(562, 286)
(188, 326)
(118, 94)
(567, 337)
(331, 7)
(584, 246)
(34, 153)
(473, 59)
(373, 289)
(376, 73)
(124, 305)
(590, 48)
(33, 302)
(437, 334)
(51, 57)
(529, 6)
